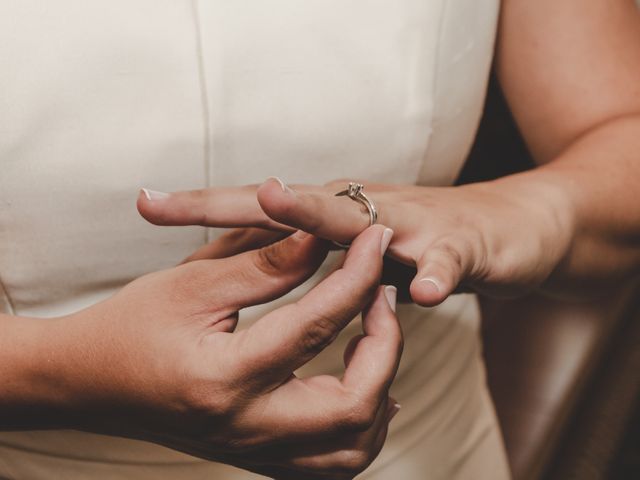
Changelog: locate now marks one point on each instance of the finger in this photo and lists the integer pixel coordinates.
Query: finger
(351, 347)
(342, 456)
(346, 458)
(212, 207)
(374, 362)
(318, 212)
(440, 270)
(253, 277)
(399, 275)
(236, 241)
(288, 337)
(321, 408)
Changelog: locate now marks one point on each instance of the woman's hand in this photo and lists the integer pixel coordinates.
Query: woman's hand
(498, 238)
(160, 361)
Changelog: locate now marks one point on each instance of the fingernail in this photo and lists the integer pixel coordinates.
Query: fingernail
(391, 293)
(386, 239)
(394, 411)
(154, 195)
(282, 184)
(430, 285)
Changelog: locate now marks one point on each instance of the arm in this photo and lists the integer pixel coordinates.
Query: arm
(29, 398)
(161, 361)
(570, 70)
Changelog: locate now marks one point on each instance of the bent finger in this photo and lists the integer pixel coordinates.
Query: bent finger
(375, 359)
(335, 455)
(289, 337)
(253, 277)
(318, 212)
(236, 241)
(440, 270)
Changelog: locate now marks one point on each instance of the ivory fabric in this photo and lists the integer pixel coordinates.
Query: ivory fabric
(100, 98)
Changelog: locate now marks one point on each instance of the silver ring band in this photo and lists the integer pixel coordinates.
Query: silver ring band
(355, 192)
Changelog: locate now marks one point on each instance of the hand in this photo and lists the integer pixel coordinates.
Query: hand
(497, 238)
(160, 361)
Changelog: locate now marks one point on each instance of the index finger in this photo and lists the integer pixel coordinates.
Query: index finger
(289, 337)
(318, 406)
(374, 362)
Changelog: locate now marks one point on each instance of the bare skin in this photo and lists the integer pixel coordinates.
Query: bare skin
(571, 73)
(160, 361)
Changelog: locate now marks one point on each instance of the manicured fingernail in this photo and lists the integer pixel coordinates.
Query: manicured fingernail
(282, 184)
(391, 293)
(394, 411)
(154, 195)
(386, 239)
(430, 285)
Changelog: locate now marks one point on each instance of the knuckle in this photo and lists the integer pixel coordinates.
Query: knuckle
(447, 256)
(477, 248)
(453, 254)
(269, 260)
(360, 415)
(211, 393)
(320, 332)
(206, 401)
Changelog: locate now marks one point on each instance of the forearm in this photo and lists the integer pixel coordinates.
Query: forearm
(31, 396)
(593, 189)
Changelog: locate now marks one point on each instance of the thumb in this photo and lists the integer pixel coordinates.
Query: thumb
(440, 270)
(257, 276)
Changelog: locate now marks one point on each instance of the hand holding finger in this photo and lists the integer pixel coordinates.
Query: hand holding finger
(323, 404)
(253, 277)
(318, 212)
(452, 248)
(236, 241)
(271, 205)
(322, 313)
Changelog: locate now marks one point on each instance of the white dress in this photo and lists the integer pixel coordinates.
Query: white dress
(100, 98)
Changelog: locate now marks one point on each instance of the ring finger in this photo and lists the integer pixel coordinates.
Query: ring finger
(272, 205)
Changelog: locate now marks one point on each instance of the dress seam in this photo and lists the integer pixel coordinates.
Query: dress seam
(422, 173)
(204, 99)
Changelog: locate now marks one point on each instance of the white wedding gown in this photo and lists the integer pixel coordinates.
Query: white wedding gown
(100, 98)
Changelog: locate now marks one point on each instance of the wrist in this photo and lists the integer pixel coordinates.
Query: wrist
(33, 395)
(545, 194)
(548, 197)
(536, 233)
